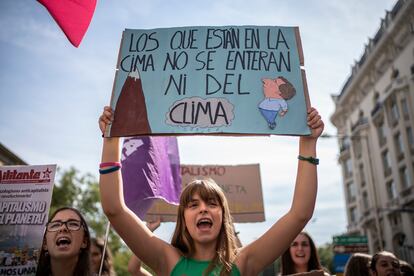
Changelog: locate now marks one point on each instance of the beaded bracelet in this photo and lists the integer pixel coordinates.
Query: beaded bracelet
(310, 159)
(109, 170)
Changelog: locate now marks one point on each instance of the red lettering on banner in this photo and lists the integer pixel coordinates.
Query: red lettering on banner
(203, 171)
(12, 176)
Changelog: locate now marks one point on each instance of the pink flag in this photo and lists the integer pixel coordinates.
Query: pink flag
(150, 170)
(72, 16)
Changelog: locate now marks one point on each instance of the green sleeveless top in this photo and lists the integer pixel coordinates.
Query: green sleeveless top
(191, 267)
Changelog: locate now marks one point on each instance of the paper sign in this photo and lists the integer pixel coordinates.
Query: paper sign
(240, 80)
(241, 185)
(25, 196)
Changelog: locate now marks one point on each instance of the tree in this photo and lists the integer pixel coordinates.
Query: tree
(325, 253)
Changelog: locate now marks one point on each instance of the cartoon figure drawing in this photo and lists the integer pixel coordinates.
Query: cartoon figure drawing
(276, 92)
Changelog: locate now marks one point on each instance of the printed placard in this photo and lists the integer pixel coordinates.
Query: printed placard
(241, 185)
(25, 196)
(242, 80)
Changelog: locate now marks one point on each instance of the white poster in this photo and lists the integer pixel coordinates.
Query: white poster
(25, 196)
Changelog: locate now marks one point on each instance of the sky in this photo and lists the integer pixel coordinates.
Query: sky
(51, 93)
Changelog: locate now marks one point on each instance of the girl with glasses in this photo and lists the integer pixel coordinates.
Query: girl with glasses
(66, 245)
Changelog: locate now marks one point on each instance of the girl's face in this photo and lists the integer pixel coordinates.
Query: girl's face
(203, 219)
(387, 265)
(300, 251)
(64, 235)
(96, 256)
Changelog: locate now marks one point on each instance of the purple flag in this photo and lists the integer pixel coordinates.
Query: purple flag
(150, 170)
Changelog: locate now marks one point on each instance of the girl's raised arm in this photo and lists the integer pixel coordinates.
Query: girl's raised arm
(256, 256)
(156, 253)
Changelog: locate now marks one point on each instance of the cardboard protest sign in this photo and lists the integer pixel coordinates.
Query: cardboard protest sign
(243, 80)
(241, 185)
(25, 196)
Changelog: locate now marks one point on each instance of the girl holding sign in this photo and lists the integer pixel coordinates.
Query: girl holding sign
(204, 240)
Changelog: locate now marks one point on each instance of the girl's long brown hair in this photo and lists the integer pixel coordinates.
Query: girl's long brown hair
(226, 245)
(288, 266)
(107, 268)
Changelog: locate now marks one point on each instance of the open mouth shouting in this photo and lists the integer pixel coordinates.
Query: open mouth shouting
(63, 242)
(204, 224)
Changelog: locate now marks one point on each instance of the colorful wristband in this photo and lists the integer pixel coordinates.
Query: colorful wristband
(110, 164)
(109, 170)
(310, 159)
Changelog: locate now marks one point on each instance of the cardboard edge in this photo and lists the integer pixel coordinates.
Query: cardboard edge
(108, 130)
(299, 45)
(305, 89)
(261, 190)
(120, 48)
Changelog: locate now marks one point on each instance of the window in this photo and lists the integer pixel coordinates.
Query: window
(395, 114)
(362, 175)
(399, 146)
(353, 214)
(365, 201)
(348, 168)
(405, 110)
(395, 219)
(344, 143)
(357, 147)
(381, 133)
(410, 137)
(405, 178)
(351, 191)
(386, 163)
(391, 190)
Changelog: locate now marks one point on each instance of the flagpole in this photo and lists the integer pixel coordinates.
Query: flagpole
(108, 226)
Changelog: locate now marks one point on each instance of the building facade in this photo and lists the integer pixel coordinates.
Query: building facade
(9, 158)
(374, 117)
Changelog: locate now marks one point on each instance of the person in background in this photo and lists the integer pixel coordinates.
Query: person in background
(301, 256)
(66, 245)
(135, 265)
(406, 268)
(385, 263)
(97, 247)
(358, 265)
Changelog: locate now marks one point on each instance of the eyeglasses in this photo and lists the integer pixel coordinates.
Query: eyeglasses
(71, 225)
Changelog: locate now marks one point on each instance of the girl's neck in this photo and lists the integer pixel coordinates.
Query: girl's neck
(63, 267)
(301, 268)
(204, 252)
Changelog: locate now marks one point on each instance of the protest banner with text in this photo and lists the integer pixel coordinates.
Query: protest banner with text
(25, 196)
(241, 80)
(241, 185)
